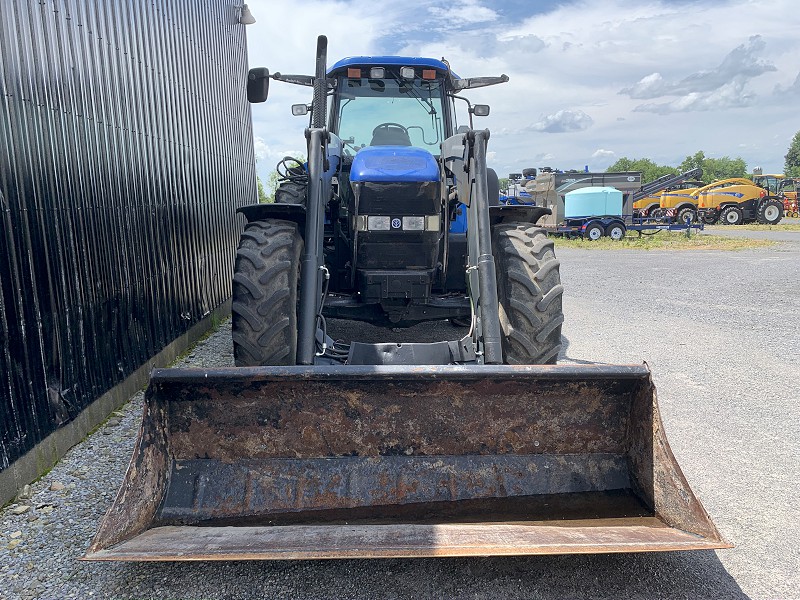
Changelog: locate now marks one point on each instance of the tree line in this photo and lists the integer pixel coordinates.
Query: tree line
(714, 169)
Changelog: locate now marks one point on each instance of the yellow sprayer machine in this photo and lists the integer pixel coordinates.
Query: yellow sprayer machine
(312, 449)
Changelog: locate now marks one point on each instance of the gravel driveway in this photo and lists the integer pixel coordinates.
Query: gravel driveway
(721, 331)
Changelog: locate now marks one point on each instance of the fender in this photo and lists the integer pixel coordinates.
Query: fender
(519, 213)
(296, 213)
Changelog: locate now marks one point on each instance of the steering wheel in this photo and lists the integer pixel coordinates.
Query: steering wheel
(388, 127)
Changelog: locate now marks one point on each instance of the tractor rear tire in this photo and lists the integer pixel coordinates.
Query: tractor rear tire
(770, 212)
(264, 308)
(291, 192)
(731, 215)
(529, 291)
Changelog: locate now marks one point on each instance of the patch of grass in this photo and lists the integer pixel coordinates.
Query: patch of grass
(756, 227)
(665, 240)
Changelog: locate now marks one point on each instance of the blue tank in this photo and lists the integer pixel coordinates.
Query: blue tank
(593, 202)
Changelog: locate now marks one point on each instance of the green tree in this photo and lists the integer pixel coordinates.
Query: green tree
(792, 165)
(262, 194)
(715, 169)
(647, 167)
(695, 161)
(273, 180)
(266, 190)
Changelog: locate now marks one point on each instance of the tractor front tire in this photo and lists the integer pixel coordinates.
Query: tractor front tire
(685, 213)
(529, 291)
(710, 217)
(731, 215)
(264, 308)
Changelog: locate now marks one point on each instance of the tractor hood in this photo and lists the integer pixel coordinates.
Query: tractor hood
(394, 164)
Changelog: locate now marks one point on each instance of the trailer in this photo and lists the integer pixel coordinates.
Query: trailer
(617, 227)
(595, 212)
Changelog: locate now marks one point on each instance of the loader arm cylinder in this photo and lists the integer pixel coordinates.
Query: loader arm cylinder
(487, 277)
(319, 104)
(310, 276)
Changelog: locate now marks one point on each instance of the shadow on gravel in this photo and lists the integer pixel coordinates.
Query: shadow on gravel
(564, 357)
(661, 576)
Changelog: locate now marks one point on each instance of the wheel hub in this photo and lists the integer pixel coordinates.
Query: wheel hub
(771, 213)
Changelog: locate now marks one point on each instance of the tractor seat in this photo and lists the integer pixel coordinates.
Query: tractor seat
(390, 135)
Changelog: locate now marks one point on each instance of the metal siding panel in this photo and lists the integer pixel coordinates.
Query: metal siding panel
(126, 148)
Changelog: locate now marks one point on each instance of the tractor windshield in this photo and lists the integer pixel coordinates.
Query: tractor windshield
(374, 112)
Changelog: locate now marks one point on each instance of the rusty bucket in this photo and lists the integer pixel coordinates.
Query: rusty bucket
(367, 462)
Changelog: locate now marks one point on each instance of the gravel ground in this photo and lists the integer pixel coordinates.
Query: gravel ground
(720, 331)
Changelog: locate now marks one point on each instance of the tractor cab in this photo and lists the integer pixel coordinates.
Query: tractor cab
(390, 101)
(771, 183)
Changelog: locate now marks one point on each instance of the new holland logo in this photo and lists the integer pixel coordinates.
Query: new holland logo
(396, 223)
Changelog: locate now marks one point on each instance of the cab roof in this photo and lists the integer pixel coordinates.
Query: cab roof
(390, 61)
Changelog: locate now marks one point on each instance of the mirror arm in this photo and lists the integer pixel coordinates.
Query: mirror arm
(307, 80)
(476, 82)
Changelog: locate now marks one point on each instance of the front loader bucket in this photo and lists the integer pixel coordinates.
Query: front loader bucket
(363, 462)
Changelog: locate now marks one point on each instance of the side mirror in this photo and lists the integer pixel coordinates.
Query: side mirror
(480, 110)
(298, 110)
(257, 85)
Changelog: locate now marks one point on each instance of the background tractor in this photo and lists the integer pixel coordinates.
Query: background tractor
(780, 186)
(679, 202)
(736, 201)
(317, 448)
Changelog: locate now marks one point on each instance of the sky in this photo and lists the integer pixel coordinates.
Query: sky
(590, 81)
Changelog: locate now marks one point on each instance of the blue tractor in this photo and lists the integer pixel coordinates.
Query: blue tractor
(315, 449)
(366, 228)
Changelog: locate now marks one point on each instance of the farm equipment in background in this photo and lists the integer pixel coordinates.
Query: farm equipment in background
(679, 203)
(550, 187)
(470, 447)
(647, 201)
(788, 190)
(596, 212)
(737, 200)
(515, 192)
(780, 186)
(590, 215)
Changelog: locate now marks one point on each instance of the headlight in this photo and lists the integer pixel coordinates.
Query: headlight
(378, 223)
(413, 223)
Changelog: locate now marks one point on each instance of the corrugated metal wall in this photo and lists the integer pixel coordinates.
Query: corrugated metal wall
(125, 148)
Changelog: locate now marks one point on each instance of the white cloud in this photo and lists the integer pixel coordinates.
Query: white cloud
(732, 95)
(651, 86)
(713, 89)
(602, 153)
(563, 121)
(791, 91)
(698, 76)
(465, 12)
(261, 148)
